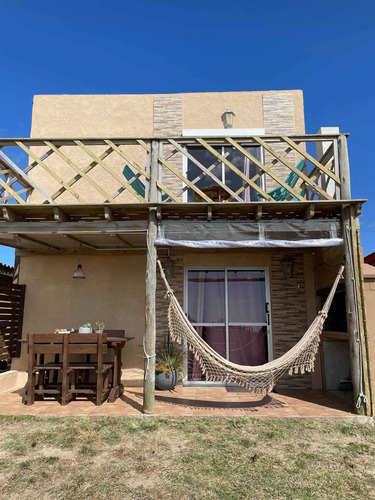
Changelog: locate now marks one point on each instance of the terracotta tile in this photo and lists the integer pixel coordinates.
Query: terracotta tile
(188, 401)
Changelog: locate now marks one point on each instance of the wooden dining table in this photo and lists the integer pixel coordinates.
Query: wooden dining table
(117, 344)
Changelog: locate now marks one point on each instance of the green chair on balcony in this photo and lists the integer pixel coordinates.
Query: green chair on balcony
(281, 193)
(138, 185)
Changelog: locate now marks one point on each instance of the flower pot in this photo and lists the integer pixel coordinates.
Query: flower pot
(84, 330)
(166, 382)
(98, 331)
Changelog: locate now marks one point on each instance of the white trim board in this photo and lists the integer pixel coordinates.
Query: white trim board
(222, 132)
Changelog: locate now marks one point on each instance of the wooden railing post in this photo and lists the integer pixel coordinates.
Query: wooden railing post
(149, 340)
(345, 192)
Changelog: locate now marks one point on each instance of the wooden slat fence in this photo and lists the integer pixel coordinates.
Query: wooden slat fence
(12, 300)
(60, 171)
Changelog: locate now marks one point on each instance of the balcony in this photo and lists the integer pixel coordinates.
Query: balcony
(208, 170)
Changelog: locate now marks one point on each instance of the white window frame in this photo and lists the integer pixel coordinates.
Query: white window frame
(268, 323)
(218, 133)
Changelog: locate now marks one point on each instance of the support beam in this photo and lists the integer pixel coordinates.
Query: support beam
(126, 244)
(310, 211)
(108, 214)
(351, 276)
(59, 215)
(34, 240)
(351, 308)
(159, 213)
(209, 212)
(77, 240)
(10, 216)
(345, 193)
(149, 341)
(258, 212)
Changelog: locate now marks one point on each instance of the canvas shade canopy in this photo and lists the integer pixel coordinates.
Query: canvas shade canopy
(288, 233)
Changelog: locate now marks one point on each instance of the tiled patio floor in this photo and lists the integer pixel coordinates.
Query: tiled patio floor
(192, 401)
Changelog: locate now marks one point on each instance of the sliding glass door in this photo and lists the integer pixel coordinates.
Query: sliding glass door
(229, 308)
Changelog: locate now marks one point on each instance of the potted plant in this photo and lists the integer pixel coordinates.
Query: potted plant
(169, 366)
(86, 328)
(99, 327)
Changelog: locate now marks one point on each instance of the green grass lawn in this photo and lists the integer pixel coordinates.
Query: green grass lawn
(187, 458)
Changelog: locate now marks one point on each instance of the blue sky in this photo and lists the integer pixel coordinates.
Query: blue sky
(326, 48)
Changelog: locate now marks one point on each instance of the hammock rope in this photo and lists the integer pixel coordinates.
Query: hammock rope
(258, 379)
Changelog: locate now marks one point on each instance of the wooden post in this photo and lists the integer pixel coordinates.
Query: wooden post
(348, 234)
(150, 306)
(344, 167)
(358, 270)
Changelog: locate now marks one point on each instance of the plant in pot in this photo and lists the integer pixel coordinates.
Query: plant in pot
(99, 327)
(86, 328)
(169, 366)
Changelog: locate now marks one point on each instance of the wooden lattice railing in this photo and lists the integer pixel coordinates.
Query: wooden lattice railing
(228, 169)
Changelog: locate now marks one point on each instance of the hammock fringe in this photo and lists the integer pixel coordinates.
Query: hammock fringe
(257, 379)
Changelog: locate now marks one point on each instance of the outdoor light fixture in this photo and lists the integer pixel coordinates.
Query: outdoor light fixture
(227, 118)
(287, 267)
(79, 273)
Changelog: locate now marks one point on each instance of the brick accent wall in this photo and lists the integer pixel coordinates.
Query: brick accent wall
(177, 283)
(278, 119)
(288, 313)
(168, 116)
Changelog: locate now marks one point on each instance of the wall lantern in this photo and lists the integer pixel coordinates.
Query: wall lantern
(79, 273)
(168, 267)
(287, 268)
(227, 118)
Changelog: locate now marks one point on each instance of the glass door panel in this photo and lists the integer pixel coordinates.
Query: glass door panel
(246, 296)
(248, 345)
(215, 336)
(247, 167)
(228, 308)
(206, 297)
(208, 160)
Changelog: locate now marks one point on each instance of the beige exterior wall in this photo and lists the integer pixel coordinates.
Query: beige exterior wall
(114, 292)
(159, 115)
(132, 115)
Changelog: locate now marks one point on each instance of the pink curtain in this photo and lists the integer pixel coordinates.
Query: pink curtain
(207, 305)
(247, 345)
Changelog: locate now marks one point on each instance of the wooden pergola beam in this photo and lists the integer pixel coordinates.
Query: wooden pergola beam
(108, 214)
(59, 215)
(310, 211)
(258, 212)
(35, 240)
(11, 216)
(80, 242)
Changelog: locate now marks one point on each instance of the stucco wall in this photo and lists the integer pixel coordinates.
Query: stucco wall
(146, 116)
(113, 292)
(132, 115)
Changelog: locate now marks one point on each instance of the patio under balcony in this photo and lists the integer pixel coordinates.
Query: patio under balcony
(194, 401)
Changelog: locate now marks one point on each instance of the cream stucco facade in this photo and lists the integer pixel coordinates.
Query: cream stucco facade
(133, 115)
(114, 292)
(143, 116)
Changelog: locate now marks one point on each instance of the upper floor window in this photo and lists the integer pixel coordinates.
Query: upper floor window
(224, 173)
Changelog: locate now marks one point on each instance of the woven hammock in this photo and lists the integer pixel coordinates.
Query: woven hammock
(258, 379)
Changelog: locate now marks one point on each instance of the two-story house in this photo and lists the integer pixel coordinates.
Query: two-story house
(250, 217)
